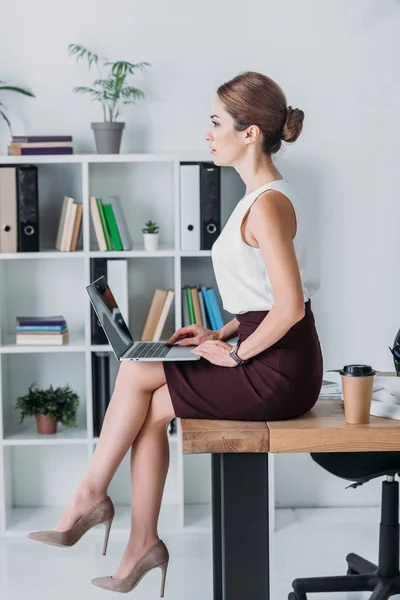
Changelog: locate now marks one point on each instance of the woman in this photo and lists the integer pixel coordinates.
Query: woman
(261, 268)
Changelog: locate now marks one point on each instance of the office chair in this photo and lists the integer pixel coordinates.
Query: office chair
(362, 575)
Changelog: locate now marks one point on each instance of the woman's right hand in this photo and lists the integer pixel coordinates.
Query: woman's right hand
(192, 335)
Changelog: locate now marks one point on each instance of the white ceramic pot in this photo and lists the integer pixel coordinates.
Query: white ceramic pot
(150, 241)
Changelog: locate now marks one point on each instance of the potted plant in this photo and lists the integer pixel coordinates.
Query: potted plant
(150, 235)
(110, 90)
(11, 88)
(49, 406)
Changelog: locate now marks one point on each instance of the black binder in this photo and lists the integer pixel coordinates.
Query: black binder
(100, 388)
(98, 267)
(27, 208)
(210, 204)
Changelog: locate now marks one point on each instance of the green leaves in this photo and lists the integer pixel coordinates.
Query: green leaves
(11, 88)
(82, 53)
(111, 90)
(151, 227)
(61, 403)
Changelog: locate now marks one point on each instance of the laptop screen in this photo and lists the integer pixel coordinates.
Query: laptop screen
(110, 316)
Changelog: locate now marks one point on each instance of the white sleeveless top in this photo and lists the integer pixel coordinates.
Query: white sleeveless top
(240, 270)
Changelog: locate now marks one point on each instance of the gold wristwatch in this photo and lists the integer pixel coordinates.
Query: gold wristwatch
(235, 357)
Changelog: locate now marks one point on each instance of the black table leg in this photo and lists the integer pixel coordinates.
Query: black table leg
(216, 525)
(240, 526)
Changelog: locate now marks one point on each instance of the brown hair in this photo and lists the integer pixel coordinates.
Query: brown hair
(254, 99)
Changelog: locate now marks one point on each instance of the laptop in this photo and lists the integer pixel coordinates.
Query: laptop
(118, 334)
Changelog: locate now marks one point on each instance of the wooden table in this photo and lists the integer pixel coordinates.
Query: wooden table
(240, 510)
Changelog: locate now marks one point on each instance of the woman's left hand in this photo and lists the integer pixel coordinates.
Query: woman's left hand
(216, 352)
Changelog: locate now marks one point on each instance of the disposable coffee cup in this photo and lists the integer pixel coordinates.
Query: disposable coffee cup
(357, 382)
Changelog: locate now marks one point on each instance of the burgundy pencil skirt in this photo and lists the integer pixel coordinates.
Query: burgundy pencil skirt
(281, 382)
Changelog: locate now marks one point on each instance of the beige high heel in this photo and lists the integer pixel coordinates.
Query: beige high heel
(156, 556)
(102, 512)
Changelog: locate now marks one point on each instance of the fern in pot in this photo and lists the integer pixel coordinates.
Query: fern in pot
(49, 406)
(111, 90)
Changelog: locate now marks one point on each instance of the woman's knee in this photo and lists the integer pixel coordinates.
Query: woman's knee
(147, 376)
(161, 410)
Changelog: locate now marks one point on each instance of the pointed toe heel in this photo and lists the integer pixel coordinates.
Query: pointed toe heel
(156, 556)
(102, 512)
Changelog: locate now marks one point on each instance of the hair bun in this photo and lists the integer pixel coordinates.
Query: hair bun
(293, 124)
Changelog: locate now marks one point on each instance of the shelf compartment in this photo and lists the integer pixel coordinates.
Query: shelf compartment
(19, 371)
(146, 192)
(35, 484)
(41, 288)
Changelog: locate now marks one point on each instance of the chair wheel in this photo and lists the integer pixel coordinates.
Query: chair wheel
(295, 596)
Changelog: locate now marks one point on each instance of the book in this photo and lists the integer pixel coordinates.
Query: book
(190, 305)
(121, 223)
(185, 308)
(104, 223)
(196, 306)
(112, 227)
(98, 229)
(77, 227)
(219, 322)
(153, 315)
(163, 315)
(70, 227)
(37, 151)
(61, 222)
(41, 328)
(41, 138)
(18, 145)
(44, 339)
(208, 308)
(67, 214)
(51, 320)
(203, 311)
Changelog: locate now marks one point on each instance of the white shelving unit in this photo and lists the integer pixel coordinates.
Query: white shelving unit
(39, 473)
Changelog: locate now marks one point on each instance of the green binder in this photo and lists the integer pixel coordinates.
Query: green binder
(190, 305)
(104, 223)
(112, 226)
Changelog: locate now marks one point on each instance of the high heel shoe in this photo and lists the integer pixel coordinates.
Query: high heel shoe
(156, 556)
(102, 512)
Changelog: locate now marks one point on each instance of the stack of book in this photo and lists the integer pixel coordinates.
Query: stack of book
(42, 331)
(157, 315)
(109, 224)
(69, 225)
(32, 145)
(200, 306)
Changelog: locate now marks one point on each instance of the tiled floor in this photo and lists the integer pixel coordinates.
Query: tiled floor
(308, 542)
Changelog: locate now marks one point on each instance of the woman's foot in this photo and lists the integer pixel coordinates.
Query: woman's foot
(79, 504)
(133, 553)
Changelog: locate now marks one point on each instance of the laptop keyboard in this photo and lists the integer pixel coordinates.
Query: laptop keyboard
(149, 350)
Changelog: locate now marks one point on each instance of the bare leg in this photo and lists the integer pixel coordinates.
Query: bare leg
(124, 417)
(149, 468)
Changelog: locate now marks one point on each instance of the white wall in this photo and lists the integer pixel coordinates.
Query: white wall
(338, 60)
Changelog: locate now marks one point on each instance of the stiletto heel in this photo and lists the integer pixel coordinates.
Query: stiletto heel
(163, 568)
(107, 533)
(102, 512)
(156, 556)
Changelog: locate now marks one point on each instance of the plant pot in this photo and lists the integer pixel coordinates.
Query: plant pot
(108, 137)
(150, 241)
(45, 425)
